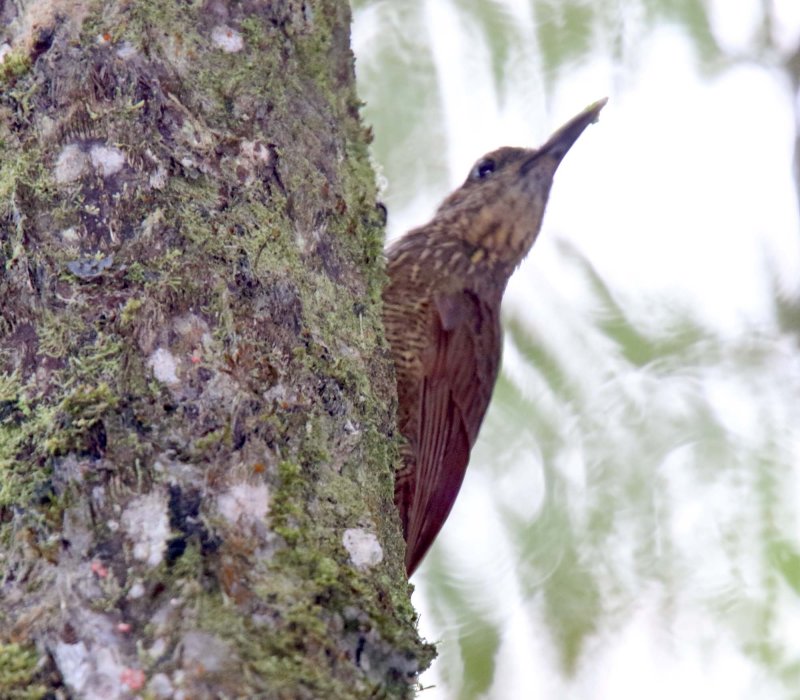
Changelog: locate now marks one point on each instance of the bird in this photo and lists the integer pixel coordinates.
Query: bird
(441, 314)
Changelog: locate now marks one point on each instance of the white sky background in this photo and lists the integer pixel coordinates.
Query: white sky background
(678, 196)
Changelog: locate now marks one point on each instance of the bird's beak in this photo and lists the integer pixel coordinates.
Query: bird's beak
(561, 141)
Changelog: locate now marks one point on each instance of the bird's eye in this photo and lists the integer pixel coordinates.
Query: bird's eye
(483, 168)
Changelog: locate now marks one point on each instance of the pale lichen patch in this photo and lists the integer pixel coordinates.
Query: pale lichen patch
(70, 235)
(91, 664)
(227, 39)
(43, 13)
(164, 366)
(107, 160)
(146, 522)
(206, 652)
(136, 590)
(363, 546)
(161, 686)
(158, 178)
(255, 151)
(244, 502)
(92, 673)
(72, 163)
(126, 51)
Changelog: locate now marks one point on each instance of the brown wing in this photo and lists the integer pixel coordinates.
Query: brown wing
(459, 372)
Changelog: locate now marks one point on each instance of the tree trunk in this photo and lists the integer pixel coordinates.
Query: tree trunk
(196, 402)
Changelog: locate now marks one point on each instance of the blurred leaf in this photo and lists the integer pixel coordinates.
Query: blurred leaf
(571, 606)
(497, 25)
(692, 16)
(478, 641)
(566, 31)
(478, 651)
(398, 82)
(615, 322)
(785, 558)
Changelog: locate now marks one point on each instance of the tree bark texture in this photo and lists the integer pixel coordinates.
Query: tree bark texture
(196, 402)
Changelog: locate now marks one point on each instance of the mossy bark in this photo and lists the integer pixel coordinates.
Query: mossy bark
(196, 402)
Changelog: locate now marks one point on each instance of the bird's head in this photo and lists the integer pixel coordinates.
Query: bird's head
(500, 206)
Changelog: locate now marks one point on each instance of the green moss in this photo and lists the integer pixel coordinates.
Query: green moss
(12, 481)
(23, 420)
(18, 673)
(130, 312)
(14, 65)
(136, 273)
(274, 659)
(57, 333)
(204, 446)
(287, 507)
(78, 413)
(188, 567)
(10, 388)
(253, 31)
